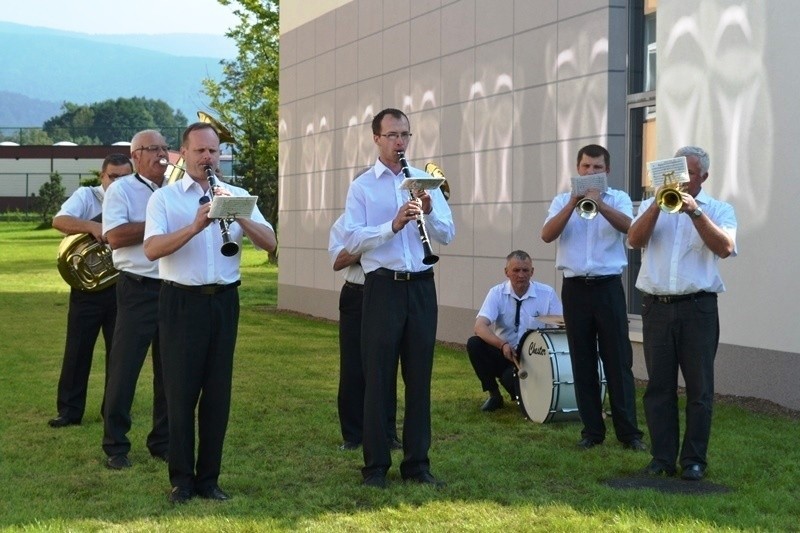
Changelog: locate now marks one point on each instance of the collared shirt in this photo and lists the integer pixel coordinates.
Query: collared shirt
(676, 260)
(591, 247)
(500, 308)
(126, 201)
(353, 273)
(199, 261)
(85, 203)
(373, 200)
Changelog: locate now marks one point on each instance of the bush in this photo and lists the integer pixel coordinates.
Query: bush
(51, 196)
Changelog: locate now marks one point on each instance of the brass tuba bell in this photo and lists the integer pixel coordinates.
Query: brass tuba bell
(225, 136)
(434, 170)
(86, 264)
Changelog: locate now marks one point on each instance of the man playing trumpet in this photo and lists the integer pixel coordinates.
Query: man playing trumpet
(679, 279)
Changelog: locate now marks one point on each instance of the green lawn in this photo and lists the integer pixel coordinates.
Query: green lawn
(282, 465)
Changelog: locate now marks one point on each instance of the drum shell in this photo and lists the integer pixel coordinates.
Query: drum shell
(547, 394)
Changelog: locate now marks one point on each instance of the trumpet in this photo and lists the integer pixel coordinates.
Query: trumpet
(229, 247)
(430, 258)
(669, 198)
(587, 208)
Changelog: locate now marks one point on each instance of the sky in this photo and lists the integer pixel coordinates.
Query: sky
(124, 16)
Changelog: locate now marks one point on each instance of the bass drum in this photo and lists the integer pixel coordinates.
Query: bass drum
(547, 394)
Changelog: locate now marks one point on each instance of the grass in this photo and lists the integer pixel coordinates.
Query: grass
(282, 465)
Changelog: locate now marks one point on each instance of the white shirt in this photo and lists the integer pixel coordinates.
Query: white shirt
(591, 247)
(500, 308)
(85, 203)
(126, 201)
(676, 260)
(373, 200)
(353, 273)
(199, 261)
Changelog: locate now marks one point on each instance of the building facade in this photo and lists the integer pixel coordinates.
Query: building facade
(502, 93)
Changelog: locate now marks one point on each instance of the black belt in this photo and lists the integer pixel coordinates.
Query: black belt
(403, 276)
(593, 280)
(671, 299)
(204, 289)
(140, 278)
(356, 286)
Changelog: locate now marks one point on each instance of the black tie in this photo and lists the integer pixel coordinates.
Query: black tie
(516, 316)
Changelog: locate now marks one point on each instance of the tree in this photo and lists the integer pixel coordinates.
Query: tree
(51, 196)
(246, 100)
(115, 120)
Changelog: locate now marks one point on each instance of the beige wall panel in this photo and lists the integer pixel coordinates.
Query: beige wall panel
(396, 49)
(496, 20)
(426, 37)
(492, 235)
(455, 290)
(396, 87)
(458, 26)
(458, 76)
(530, 14)
(464, 243)
(535, 172)
(536, 57)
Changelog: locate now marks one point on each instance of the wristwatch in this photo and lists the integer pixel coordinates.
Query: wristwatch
(697, 213)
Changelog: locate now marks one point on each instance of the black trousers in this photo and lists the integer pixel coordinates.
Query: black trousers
(490, 365)
(682, 335)
(198, 338)
(399, 322)
(136, 330)
(596, 321)
(350, 399)
(89, 314)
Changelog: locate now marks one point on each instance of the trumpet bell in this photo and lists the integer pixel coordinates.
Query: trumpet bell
(587, 208)
(669, 200)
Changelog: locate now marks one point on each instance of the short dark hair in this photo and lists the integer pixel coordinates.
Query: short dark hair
(117, 160)
(518, 254)
(594, 150)
(376, 121)
(197, 126)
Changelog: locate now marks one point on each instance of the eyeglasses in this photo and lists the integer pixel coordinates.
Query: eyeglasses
(154, 148)
(394, 136)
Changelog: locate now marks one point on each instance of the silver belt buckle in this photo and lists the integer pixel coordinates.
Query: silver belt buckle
(402, 276)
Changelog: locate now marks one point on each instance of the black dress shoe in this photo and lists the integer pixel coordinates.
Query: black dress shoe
(63, 421)
(636, 445)
(693, 473)
(587, 443)
(492, 404)
(118, 462)
(377, 481)
(347, 445)
(213, 493)
(656, 468)
(180, 495)
(426, 478)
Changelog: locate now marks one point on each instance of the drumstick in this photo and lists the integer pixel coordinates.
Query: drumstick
(520, 372)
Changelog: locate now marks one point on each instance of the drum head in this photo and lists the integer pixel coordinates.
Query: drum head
(541, 353)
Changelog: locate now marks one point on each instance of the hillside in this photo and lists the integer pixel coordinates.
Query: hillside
(43, 68)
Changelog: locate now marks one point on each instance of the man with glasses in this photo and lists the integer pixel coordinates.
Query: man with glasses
(198, 310)
(138, 286)
(89, 311)
(400, 309)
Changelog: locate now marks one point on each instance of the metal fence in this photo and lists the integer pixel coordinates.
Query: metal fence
(19, 190)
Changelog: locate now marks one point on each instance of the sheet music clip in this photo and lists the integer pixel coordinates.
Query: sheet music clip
(418, 183)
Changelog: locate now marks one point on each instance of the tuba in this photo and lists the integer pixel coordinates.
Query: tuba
(86, 264)
(434, 170)
(225, 136)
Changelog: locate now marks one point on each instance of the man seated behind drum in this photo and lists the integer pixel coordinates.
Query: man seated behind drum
(509, 310)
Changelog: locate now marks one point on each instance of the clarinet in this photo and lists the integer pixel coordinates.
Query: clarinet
(229, 248)
(430, 258)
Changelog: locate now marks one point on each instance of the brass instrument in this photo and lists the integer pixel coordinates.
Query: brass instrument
(430, 258)
(225, 136)
(86, 264)
(587, 208)
(434, 170)
(669, 198)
